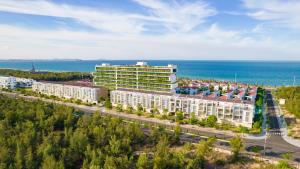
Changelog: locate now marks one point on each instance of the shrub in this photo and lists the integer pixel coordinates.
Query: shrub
(211, 121)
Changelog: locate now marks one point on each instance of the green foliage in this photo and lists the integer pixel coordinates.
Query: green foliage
(193, 119)
(257, 122)
(177, 133)
(179, 116)
(139, 108)
(259, 99)
(292, 97)
(282, 164)
(203, 148)
(286, 156)
(108, 104)
(119, 108)
(211, 121)
(237, 146)
(49, 76)
(143, 162)
(129, 110)
(41, 135)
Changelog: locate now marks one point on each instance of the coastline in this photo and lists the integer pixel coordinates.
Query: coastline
(266, 73)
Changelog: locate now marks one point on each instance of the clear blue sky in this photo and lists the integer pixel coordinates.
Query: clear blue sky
(150, 29)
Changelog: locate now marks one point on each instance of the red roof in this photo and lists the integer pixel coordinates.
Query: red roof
(223, 98)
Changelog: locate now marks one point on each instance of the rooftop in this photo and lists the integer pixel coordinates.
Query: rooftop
(198, 96)
(138, 64)
(79, 83)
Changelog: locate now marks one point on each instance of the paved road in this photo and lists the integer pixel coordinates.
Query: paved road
(275, 144)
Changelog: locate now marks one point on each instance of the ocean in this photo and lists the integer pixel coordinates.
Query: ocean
(252, 72)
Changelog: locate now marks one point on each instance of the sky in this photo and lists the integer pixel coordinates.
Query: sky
(150, 29)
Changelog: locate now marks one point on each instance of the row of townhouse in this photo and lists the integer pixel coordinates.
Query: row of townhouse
(85, 94)
(236, 112)
(10, 82)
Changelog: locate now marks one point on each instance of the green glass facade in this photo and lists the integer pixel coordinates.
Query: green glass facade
(137, 77)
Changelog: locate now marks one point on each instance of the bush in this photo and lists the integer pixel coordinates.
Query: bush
(179, 116)
(108, 104)
(119, 108)
(193, 119)
(211, 121)
(282, 164)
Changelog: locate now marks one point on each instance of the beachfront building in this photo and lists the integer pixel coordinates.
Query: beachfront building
(140, 77)
(235, 111)
(24, 82)
(85, 94)
(10, 82)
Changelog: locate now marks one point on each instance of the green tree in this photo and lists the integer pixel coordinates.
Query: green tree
(162, 154)
(108, 104)
(119, 108)
(177, 133)
(110, 163)
(193, 119)
(203, 148)
(211, 121)
(139, 108)
(19, 157)
(237, 146)
(143, 162)
(49, 162)
(129, 109)
(179, 116)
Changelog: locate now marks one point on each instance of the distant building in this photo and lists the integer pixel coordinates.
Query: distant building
(138, 77)
(85, 94)
(8, 82)
(14, 82)
(24, 83)
(282, 101)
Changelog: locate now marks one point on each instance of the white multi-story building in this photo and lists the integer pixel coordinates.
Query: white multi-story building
(24, 83)
(237, 112)
(15, 82)
(85, 94)
(8, 82)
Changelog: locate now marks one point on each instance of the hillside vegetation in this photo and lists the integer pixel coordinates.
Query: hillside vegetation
(49, 76)
(292, 97)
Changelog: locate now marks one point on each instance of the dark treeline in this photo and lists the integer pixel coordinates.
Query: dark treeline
(292, 96)
(49, 76)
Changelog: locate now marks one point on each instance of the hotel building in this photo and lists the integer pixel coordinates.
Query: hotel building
(140, 77)
(235, 111)
(85, 94)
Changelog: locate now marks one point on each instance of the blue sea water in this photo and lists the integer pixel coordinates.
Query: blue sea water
(252, 72)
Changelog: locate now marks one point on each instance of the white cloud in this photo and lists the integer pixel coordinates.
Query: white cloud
(283, 13)
(110, 21)
(174, 16)
(212, 44)
(179, 17)
(123, 34)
